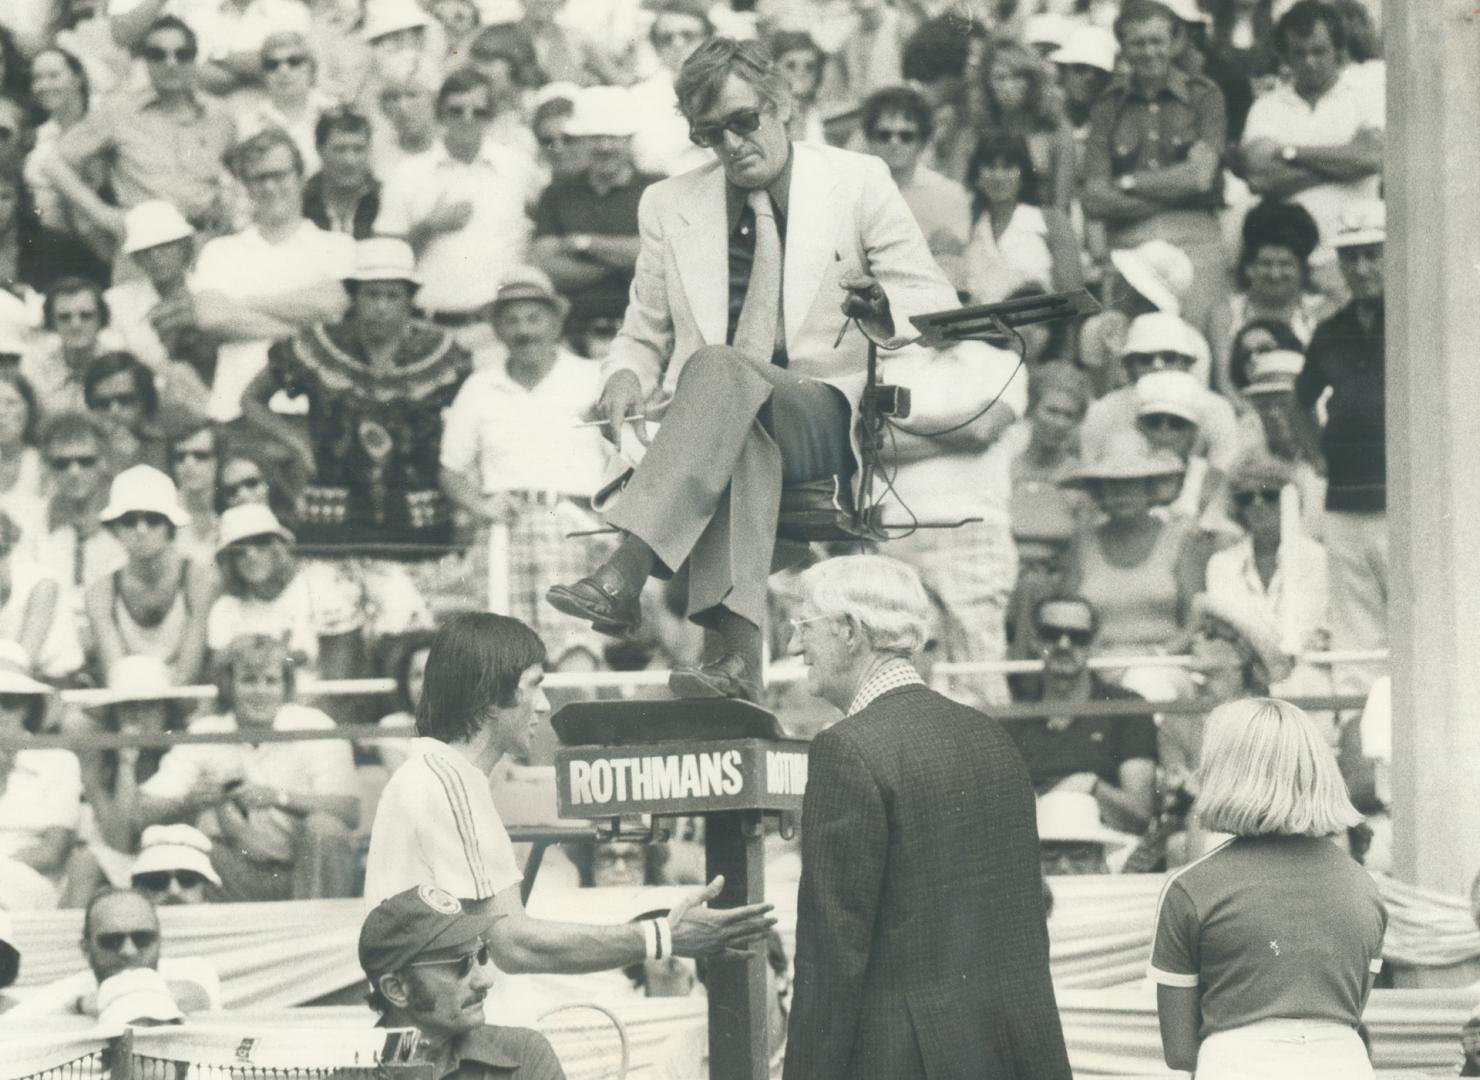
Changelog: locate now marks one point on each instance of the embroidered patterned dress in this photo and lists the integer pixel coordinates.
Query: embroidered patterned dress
(375, 434)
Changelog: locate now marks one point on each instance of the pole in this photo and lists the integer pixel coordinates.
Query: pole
(734, 845)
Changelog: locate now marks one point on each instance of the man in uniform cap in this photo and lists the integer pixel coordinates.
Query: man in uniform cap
(429, 968)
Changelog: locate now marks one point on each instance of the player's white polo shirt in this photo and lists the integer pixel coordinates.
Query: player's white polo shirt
(436, 825)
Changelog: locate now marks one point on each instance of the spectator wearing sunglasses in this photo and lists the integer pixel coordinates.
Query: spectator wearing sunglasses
(156, 603)
(75, 316)
(168, 141)
(1112, 758)
(78, 549)
(430, 968)
(120, 932)
(194, 456)
(140, 699)
(262, 592)
(1275, 573)
(461, 206)
(292, 101)
(897, 125)
(662, 145)
(120, 392)
(174, 866)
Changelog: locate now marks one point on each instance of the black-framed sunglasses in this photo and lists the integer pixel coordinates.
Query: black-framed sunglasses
(250, 483)
(155, 55)
(467, 112)
(134, 518)
(1077, 636)
(1162, 359)
(272, 63)
(1166, 422)
(159, 880)
(112, 941)
(1245, 499)
(745, 122)
(62, 462)
(465, 963)
(904, 136)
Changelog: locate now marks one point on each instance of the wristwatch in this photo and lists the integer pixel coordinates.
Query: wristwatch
(580, 243)
(1288, 153)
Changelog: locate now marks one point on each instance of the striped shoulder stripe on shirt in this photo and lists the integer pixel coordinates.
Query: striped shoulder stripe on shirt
(1154, 973)
(462, 815)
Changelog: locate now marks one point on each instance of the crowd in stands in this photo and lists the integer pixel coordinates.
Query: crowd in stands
(303, 305)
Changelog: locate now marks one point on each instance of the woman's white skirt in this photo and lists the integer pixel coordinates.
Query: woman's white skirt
(1284, 1050)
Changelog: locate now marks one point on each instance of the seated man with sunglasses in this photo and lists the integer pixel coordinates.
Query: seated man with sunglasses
(120, 931)
(749, 271)
(430, 968)
(1112, 758)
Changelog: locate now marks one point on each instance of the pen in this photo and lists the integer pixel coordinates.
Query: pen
(602, 423)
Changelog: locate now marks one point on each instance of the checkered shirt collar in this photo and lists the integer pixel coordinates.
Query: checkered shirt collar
(894, 674)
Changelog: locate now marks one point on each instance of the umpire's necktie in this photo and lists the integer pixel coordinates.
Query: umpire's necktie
(758, 331)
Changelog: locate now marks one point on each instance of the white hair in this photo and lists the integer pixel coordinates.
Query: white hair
(884, 595)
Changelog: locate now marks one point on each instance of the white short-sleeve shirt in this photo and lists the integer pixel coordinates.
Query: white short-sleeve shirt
(1355, 103)
(517, 438)
(436, 825)
(319, 768)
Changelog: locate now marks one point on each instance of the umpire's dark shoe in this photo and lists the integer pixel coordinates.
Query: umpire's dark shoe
(731, 676)
(601, 600)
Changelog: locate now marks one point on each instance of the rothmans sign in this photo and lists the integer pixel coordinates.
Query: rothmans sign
(681, 777)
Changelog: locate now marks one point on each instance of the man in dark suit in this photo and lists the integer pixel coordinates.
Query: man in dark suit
(922, 945)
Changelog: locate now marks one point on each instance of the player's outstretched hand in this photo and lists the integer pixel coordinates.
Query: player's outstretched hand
(699, 930)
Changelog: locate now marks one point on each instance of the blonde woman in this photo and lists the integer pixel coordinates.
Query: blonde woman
(1267, 947)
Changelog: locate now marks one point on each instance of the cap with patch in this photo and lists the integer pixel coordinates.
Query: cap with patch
(420, 922)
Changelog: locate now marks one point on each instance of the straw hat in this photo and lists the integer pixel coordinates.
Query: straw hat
(153, 223)
(1159, 270)
(144, 489)
(138, 678)
(1176, 393)
(1092, 46)
(1073, 817)
(250, 519)
(175, 847)
(15, 671)
(383, 258)
(1363, 223)
(603, 110)
(136, 994)
(1126, 456)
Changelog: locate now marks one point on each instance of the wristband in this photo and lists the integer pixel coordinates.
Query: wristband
(665, 937)
(650, 937)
